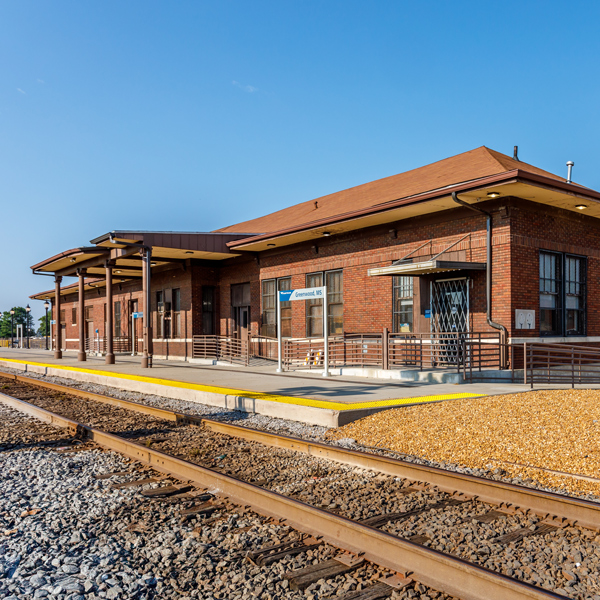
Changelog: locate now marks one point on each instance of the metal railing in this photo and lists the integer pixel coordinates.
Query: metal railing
(454, 351)
(561, 363)
(218, 347)
(262, 346)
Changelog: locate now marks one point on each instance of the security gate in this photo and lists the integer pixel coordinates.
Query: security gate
(450, 305)
(449, 319)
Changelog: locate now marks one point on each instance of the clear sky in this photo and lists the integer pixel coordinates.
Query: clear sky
(194, 115)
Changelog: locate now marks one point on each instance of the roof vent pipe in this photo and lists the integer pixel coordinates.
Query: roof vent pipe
(570, 165)
(516, 153)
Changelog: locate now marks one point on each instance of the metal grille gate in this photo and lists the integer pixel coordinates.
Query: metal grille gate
(449, 318)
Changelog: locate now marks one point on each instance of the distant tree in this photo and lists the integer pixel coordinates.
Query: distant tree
(42, 328)
(19, 318)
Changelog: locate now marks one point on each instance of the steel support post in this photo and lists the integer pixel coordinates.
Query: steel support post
(110, 356)
(58, 344)
(147, 351)
(81, 314)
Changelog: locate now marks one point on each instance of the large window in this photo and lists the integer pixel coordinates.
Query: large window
(335, 304)
(160, 315)
(117, 314)
(176, 313)
(402, 288)
(269, 307)
(562, 294)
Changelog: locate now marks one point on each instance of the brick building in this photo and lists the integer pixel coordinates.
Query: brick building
(408, 253)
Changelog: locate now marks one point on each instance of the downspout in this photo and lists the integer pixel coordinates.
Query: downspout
(488, 275)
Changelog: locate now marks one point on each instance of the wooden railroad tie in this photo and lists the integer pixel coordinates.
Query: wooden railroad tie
(270, 554)
(300, 579)
(381, 520)
(167, 490)
(541, 528)
(381, 588)
(136, 483)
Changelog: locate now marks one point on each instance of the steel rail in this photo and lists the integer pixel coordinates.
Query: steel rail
(435, 569)
(584, 512)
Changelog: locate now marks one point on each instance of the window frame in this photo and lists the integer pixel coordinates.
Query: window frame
(397, 286)
(330, 316)
(286, 307)
(562, 292)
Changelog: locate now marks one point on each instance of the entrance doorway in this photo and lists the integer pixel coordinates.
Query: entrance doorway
(450, 305)
(449, 319)
(240, 307)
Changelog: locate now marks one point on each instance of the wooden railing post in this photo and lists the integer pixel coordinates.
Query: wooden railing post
(385, 340)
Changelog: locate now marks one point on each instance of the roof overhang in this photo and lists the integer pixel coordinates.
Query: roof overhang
(515, 183)
(426, 267)
(90, 284)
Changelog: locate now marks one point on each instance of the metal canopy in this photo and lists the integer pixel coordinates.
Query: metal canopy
(427, 267)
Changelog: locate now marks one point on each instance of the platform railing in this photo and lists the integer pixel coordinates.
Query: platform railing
(217, 347)
(561, 363)
(263, 346)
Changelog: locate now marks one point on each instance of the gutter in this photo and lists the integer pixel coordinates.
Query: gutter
(488, 276)
(513, 176)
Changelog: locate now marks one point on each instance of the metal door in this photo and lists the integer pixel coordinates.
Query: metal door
(450, 306)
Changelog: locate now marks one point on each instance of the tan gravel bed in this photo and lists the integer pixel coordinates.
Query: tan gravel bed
(557, 430)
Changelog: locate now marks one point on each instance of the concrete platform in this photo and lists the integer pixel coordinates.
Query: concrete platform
(300, 396)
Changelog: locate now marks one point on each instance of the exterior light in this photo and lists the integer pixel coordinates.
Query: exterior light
(326, 233)
(28, 308)
(46, 305)
(73, 260)
(493, 194)
(189, 252)
(581, 206)
(117, 271)
(152, 264)
(270, 245)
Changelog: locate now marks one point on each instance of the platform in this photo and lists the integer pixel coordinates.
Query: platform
(300, 396)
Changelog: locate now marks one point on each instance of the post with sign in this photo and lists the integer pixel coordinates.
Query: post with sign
(134, 316)
(304, 294)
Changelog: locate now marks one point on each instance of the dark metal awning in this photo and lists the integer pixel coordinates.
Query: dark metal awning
(427, 267)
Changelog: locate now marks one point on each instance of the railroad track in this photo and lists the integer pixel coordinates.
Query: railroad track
(408, 518)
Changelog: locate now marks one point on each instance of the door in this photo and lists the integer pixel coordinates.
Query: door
(449, 319)
(240, 305)
(450, 306)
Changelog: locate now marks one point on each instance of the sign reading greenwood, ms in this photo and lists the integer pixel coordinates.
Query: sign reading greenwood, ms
(315, 293)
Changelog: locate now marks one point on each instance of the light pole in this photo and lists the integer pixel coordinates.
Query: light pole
(27, 311)
(12, 337)
(46, 306)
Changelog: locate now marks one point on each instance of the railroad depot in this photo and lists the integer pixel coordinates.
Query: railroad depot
(470, 256)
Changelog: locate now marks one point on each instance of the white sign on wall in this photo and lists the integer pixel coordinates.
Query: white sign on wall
(524, 319)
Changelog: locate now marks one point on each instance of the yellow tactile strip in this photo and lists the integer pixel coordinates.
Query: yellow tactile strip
(254, 395)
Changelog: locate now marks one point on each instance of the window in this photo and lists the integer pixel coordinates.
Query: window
(208, 310)
(74, 316)
(62, 316)
(335, 304)
(562, 294)
(314, 308)
(89, 313)
(574, 295)
(402, 291)
(176, 312)
(160, 316)
(286, 307)
(117, 314)
(269, 307)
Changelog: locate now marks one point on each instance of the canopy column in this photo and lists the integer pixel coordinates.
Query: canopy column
(110, 357)
(147, 321)
(81, 314)
(58, 345)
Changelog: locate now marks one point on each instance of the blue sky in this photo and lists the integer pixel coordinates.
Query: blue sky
(196, 115)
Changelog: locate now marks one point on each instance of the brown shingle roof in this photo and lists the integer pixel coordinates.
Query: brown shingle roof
(468, 166)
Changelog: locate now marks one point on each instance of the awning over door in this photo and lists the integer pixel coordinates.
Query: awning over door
(427, 267)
